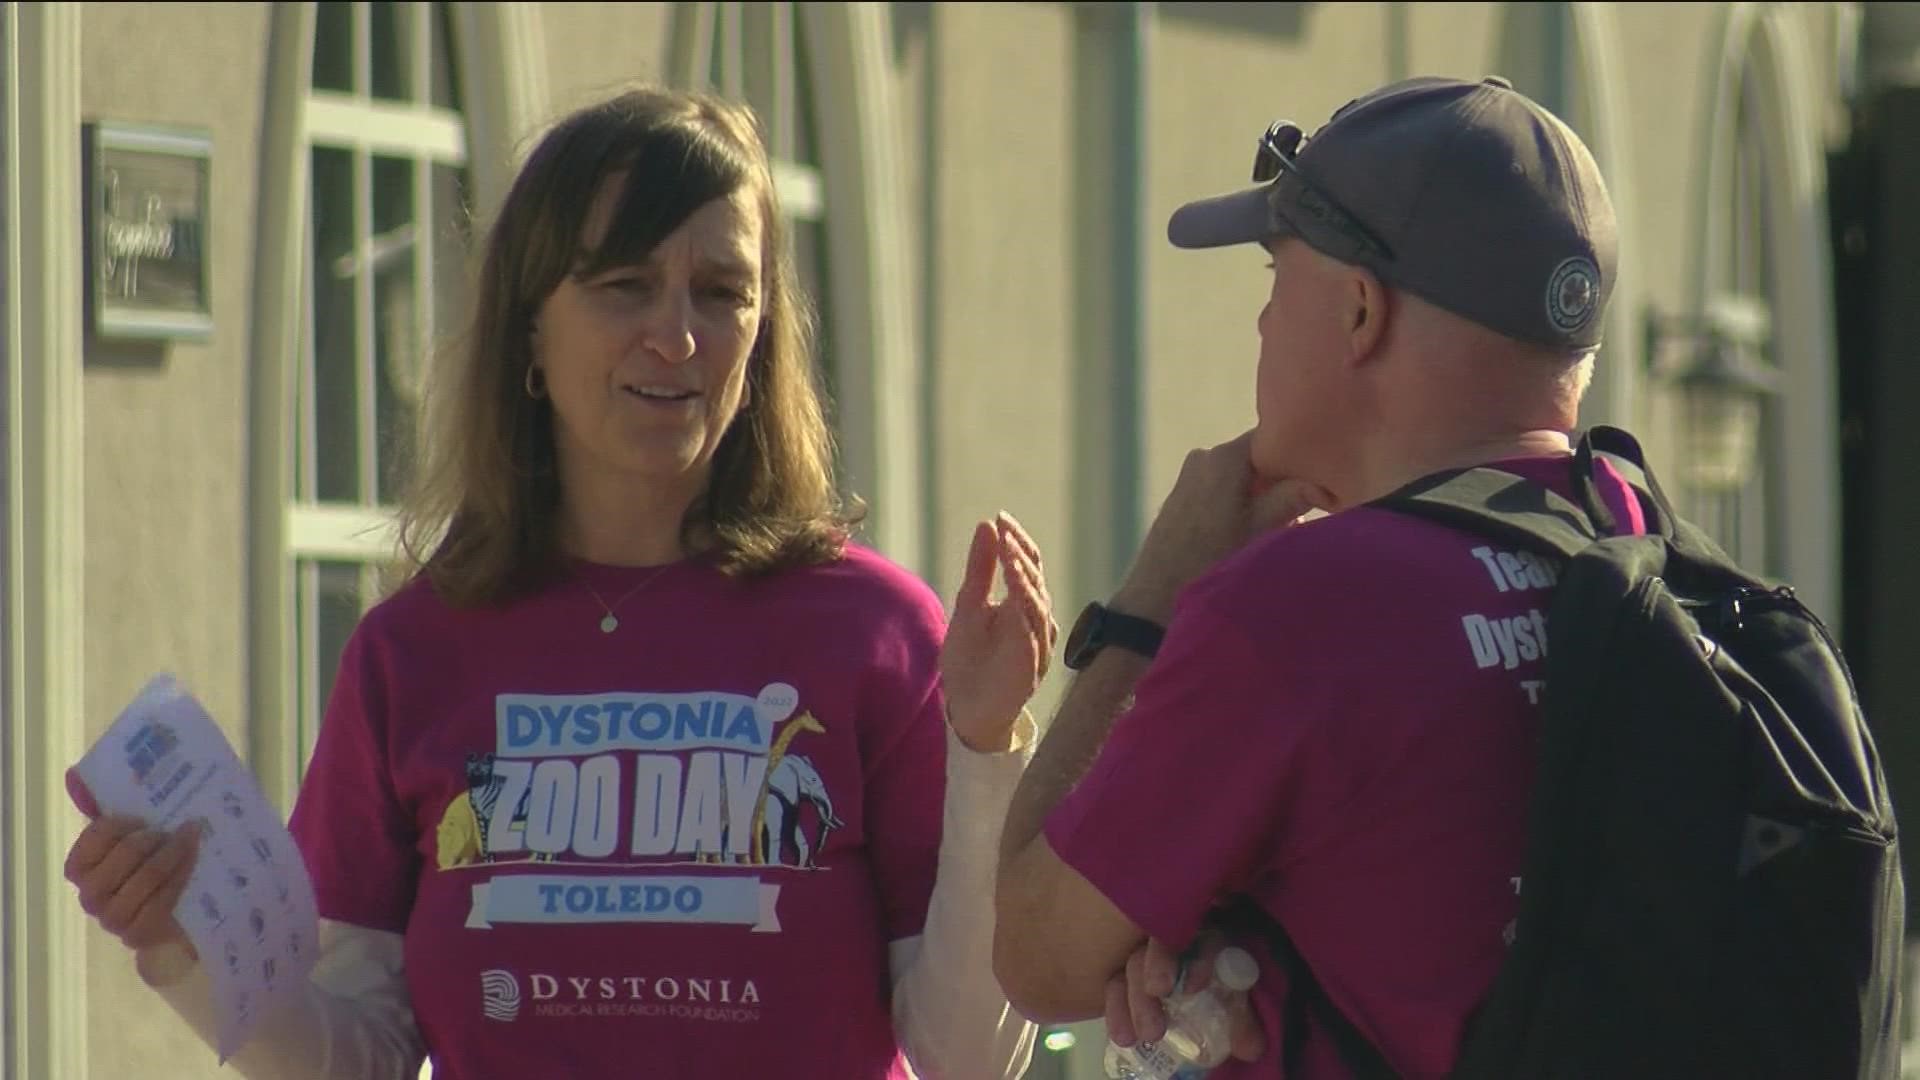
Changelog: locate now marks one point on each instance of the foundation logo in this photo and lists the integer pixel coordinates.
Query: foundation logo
(500, 995)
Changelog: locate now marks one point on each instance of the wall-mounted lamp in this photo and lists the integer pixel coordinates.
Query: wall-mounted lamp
(1717, 360)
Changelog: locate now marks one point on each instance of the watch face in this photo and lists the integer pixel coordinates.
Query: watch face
(1075, 654)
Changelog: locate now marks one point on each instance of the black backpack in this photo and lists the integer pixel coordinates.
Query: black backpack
(1712, 883)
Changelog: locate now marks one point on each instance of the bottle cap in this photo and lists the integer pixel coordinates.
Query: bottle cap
(1235, 969)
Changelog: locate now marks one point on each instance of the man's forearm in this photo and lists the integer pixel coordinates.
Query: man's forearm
(1080, 726)
(1057, 939)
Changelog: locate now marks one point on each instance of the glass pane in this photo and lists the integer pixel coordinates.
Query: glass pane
(330, 602)
(333, 48)
(806, 135)
(1752, 249)
(728, 45)
(1765, 501)
(452, 247)
(335, 333)
(1750, 508)
(785, 94)
(810, 263)
(811, 257)
(763, 60)
(452, 214)
(443, 72)
(396, 346)
(390, 32)
(303, 460)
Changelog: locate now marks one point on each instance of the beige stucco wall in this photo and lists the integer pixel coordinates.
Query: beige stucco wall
(166, 430)
(1300, 64)
(1001, 320)
(1001, 232)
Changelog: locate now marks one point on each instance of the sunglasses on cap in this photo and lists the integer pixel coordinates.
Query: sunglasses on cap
(1275, 156)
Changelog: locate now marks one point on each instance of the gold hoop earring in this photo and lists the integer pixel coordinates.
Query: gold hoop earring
(536, 392)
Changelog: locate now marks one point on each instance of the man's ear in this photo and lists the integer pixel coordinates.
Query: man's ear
(1369, 308)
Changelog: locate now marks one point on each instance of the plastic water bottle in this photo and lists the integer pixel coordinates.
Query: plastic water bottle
(1199, 1032)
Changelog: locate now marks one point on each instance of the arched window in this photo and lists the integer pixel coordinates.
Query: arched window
(376, 152)
(1761, 306)
(386, 212)
(1738, 498)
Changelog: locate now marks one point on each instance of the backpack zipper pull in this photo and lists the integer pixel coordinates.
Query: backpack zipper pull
(1732, 611)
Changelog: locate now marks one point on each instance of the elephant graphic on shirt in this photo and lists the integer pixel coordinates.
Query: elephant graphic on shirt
(791, 783)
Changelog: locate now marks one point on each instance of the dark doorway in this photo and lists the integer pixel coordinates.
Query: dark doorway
(1876, 247)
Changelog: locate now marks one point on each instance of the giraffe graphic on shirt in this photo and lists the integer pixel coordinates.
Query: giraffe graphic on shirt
(775, 753)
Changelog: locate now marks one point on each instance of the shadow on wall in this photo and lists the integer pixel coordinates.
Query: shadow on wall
(125, 355)
(910, 23)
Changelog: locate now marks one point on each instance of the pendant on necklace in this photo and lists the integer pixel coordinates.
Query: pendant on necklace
(609, 624)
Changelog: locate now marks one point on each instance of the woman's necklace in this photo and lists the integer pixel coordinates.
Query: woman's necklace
(610, 622)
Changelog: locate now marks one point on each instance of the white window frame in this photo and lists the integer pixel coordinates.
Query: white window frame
(42, 717)
(362, 532)
(504, 41)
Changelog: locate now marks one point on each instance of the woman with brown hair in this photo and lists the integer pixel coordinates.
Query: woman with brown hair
(648, 769)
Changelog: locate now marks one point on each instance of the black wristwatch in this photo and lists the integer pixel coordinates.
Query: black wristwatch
(1100, 626)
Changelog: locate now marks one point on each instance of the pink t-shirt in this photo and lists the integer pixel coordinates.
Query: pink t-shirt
(1340, 724)
(678, 849)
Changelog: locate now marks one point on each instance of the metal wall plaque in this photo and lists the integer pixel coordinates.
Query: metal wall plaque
(148, 204)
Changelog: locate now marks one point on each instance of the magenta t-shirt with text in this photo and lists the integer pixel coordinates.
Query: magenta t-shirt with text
(1341, 725)
(677, 849)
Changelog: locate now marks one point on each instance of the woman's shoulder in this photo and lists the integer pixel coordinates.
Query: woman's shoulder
(408, 611)
(881, 572)
(865, 581)
(411, 598)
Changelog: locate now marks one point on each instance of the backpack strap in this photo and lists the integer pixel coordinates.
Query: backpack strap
(1499, 506)
(1622, 451)
(1306, 998)
(1502, 506)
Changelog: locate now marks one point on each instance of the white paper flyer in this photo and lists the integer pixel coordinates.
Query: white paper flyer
(249, 907)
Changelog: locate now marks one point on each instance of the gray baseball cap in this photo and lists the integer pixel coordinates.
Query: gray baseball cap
(1469, 195)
